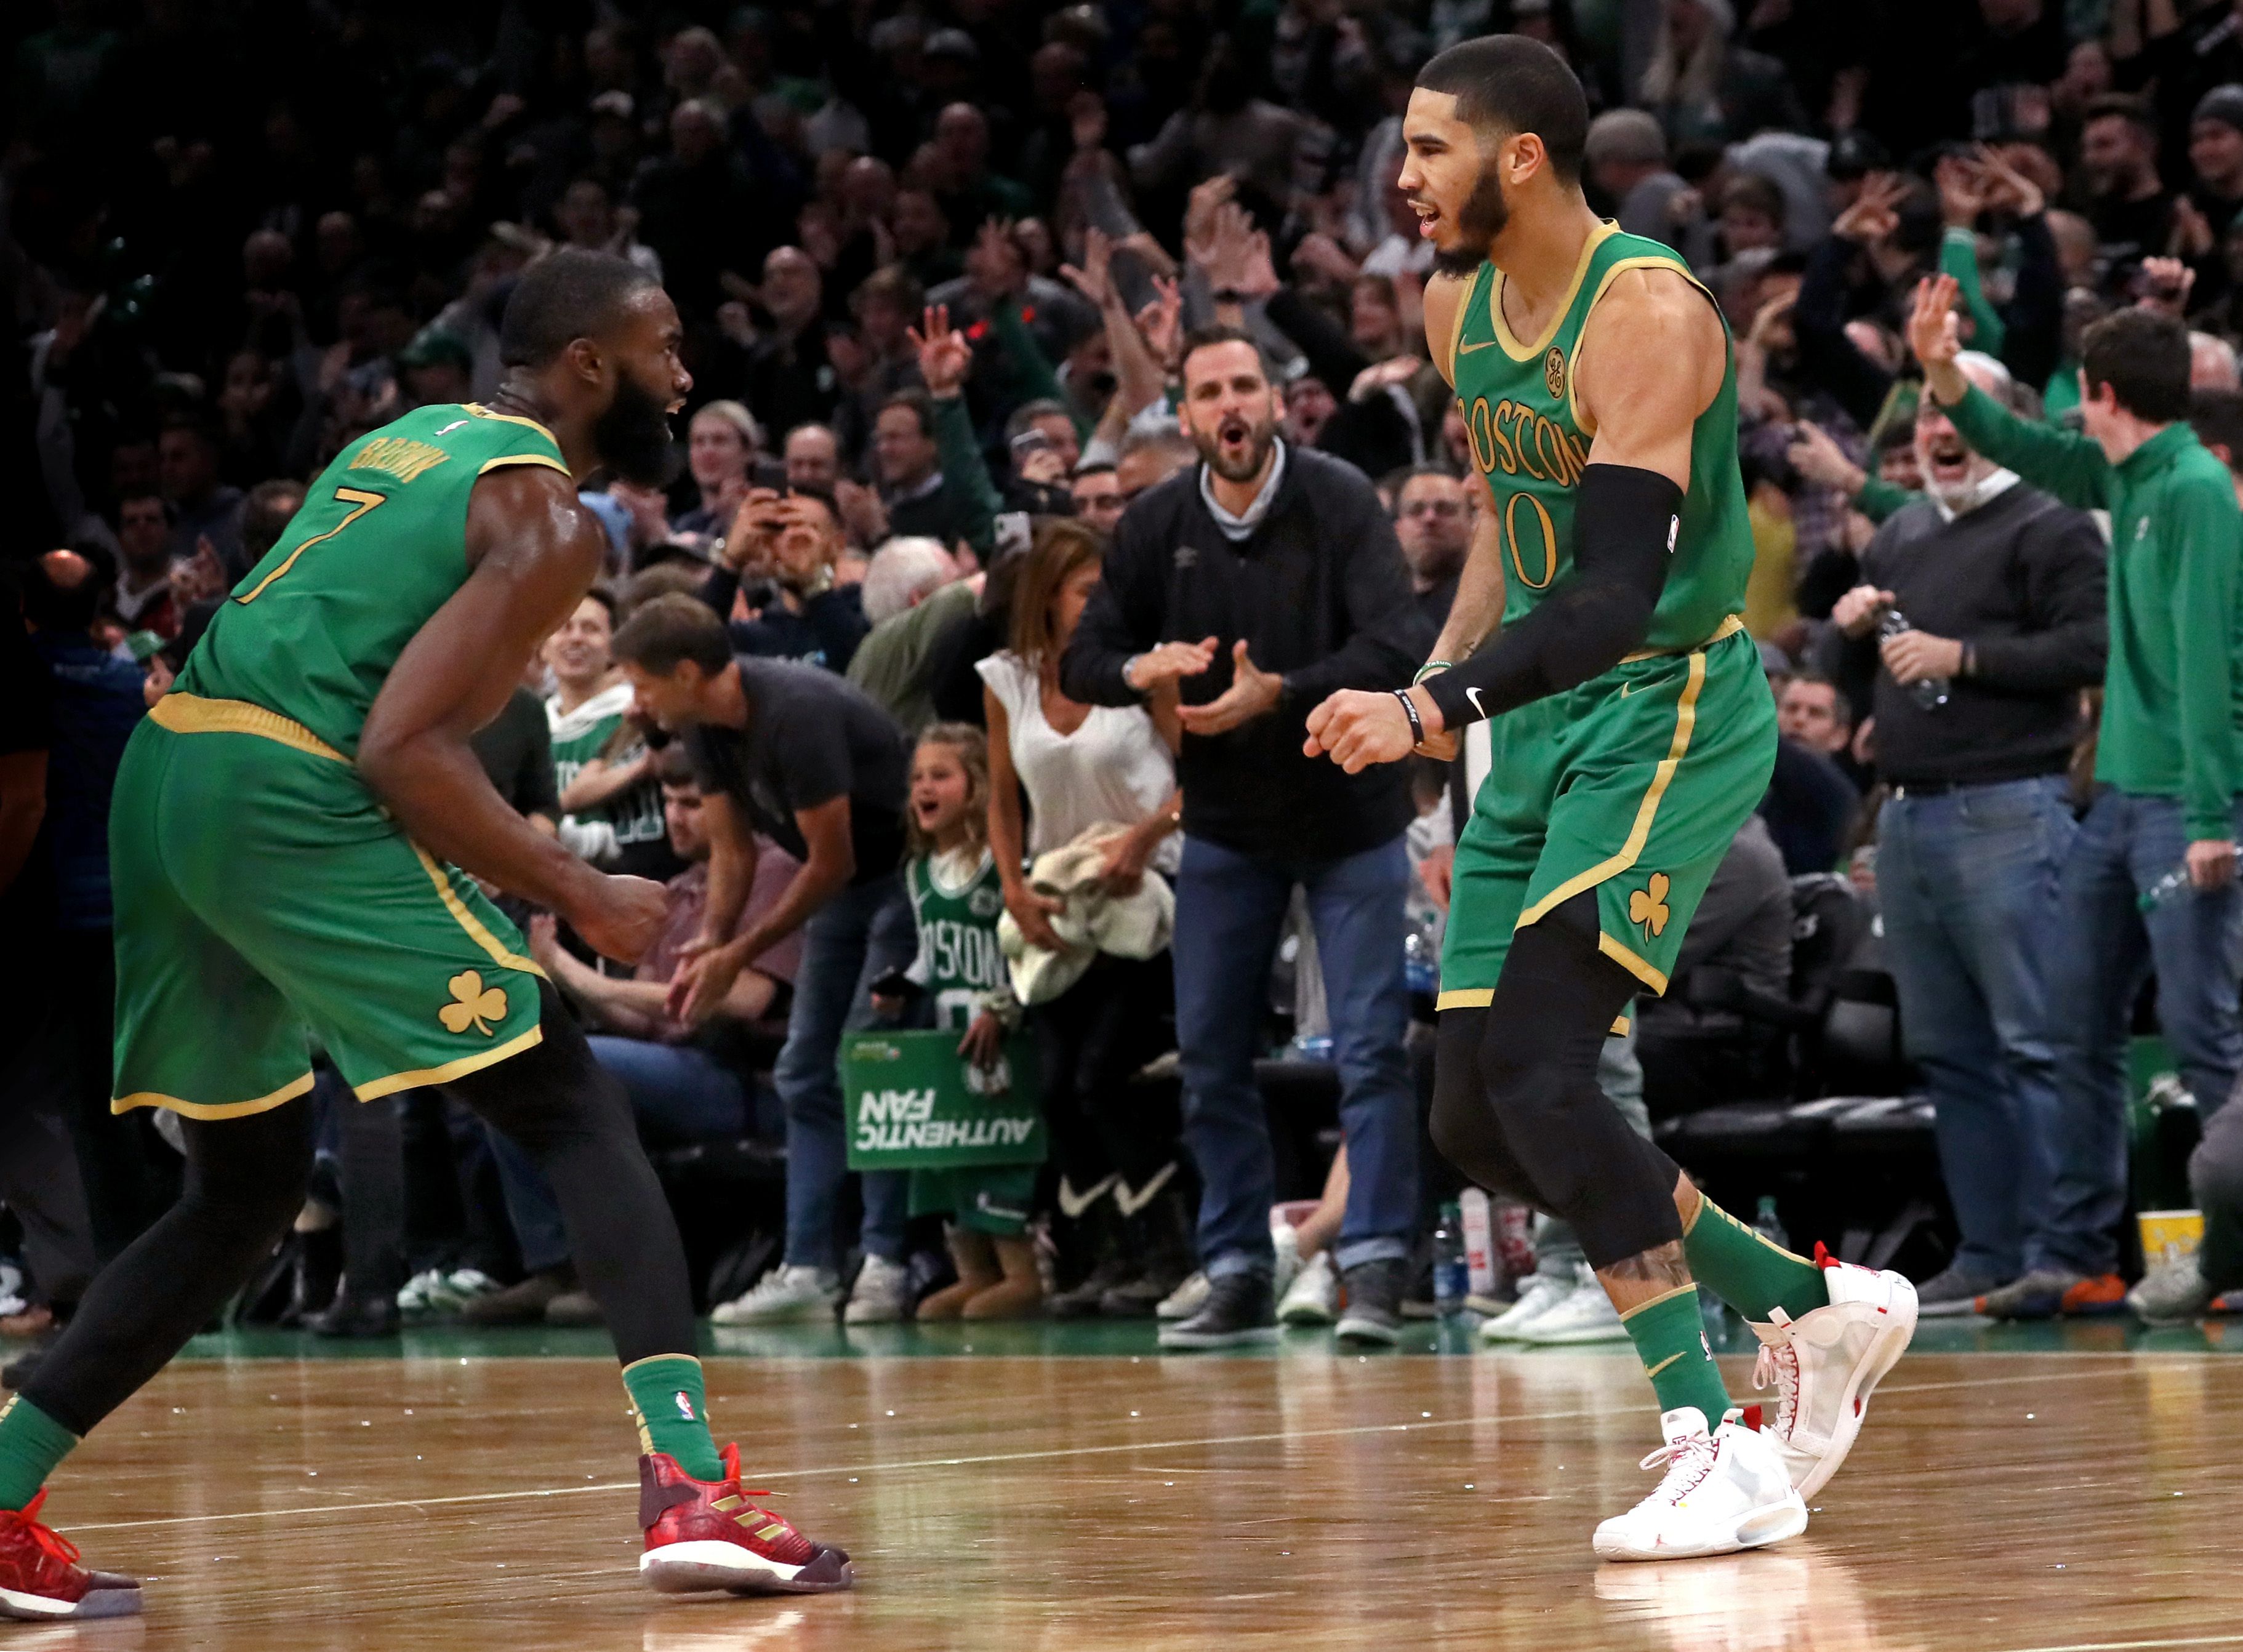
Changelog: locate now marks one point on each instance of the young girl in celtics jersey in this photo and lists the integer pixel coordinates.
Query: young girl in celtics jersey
(957, 897)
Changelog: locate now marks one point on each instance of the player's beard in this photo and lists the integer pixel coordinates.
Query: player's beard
(633, 435)
(1479, 220)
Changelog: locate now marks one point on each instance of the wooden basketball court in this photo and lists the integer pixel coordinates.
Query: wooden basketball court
(2060, 1501)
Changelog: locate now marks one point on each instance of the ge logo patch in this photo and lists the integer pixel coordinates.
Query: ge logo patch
(985, 903)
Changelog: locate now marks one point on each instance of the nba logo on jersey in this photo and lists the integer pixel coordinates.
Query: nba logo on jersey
(684, 1403)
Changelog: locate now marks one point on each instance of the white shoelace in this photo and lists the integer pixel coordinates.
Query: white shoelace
(1687, 1461)
(1779, 1363)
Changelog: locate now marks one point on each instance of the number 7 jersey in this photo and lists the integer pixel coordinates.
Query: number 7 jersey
(1531, 440)
(379, 545)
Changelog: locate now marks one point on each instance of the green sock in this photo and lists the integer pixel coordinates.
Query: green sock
(1745, 1270)
(31, 1443)
(1670, 1340)
(673, 1412)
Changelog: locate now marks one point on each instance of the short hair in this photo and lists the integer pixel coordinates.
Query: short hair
(1061, 545)
(1396, 479)
(670, 631)
(921, 406)
(1094, 468)
(659, 579)
(906, 568)
(1627, 137)
(1755, 194)
(2005, 384)
(2144, 358)
(674, 767)
(266, 515)
(1025, 416)
(1841, 707)
(566, 295)
(1511, 84)
(734, 414)
(606, 598)
(2217, 417)
(890, 284)
(53, 606)
(2123, 105)
(1206, 338)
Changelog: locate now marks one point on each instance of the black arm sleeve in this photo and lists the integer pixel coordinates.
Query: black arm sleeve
(1624, 531)
(2035, 315)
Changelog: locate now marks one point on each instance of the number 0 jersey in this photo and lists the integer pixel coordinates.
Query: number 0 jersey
(1531, 440)
(379, 545)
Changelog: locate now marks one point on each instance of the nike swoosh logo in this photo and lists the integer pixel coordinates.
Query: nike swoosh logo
(1466, 349)
(1472, 694)
(1626, 688)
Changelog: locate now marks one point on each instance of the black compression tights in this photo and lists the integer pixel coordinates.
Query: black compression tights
(245, 1183)
(1516, 1102)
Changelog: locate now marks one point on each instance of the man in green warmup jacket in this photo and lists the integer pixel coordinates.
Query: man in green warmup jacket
(2150, 882)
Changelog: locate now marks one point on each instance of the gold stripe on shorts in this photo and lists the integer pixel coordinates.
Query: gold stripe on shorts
(192, 714)
(287, 1092)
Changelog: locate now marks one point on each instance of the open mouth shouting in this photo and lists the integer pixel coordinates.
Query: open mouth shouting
(1234, 440)
(1429, 218)
(1947, 460)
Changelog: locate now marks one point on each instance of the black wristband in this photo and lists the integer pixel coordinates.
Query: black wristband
(1410, 710)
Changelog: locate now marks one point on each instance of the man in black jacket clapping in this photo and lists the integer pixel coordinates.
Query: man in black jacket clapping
(1257, 582)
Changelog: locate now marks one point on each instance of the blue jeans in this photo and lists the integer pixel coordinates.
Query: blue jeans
(2126, 844)
(1231, 909)
(1967, 881)
(679, 1095)
(849, 943)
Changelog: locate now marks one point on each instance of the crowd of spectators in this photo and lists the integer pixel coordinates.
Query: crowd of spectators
(1032, 344)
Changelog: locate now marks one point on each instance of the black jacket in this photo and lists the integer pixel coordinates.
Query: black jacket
(2021, 580)
(1320, 594)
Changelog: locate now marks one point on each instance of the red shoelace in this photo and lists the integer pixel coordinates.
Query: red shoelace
(51, 1542)
(732, 1458)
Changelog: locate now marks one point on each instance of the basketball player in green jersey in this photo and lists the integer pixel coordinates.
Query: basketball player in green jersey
(1597, 626)
(290, 839)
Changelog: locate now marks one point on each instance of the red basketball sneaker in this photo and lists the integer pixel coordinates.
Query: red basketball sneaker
(701, 1536)
(40, 1577)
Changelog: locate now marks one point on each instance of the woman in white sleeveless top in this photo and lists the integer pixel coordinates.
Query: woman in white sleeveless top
(1083, 765)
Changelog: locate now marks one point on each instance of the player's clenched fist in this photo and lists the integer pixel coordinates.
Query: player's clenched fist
(1357, 728)
(622, 916)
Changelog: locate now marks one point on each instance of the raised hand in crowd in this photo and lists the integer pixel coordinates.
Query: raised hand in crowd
(2006, 188)
(1962, 185)
(2163, 287)
(1816, 456)
(750, 541)
(1934, 335)
(1161, 323)
(1094, 277)
(1874, 213)
(945, 354)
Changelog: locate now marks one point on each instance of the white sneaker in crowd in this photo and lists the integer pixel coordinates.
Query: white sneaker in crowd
(881, 1295)
(1313, 1298)
(1722, 1492)
(784, 1294)
(1825, 1362)
(1541, 1292)
(434, 1291)
(1583, 1314)
(1186, 1299)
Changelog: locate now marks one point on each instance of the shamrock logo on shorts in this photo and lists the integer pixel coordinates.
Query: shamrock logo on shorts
(473, 1004)
(1648, 905)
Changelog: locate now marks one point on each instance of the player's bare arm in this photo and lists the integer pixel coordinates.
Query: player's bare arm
(535, 552)
(1655, 364)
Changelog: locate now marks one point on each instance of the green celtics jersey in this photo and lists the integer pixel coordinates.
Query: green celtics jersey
(1529, 440)
(378, 546)
(957, 904)
(588, 732)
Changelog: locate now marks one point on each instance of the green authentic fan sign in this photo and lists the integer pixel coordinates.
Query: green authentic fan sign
(915, 1105)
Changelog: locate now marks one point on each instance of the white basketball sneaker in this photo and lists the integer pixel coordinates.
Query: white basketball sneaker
(1313, 1298)
(1722, 1492)
(1541, 1292)
(1825, 1362)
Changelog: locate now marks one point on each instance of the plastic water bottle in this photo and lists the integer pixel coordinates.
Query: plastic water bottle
(1930, 693)
(1452, 1273)
(2167, 888)
(1483, 1272)
(1769, 1225)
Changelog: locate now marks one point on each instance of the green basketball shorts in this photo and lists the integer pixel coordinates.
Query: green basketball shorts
(995, 1199)
(263, 899)
(1632, 785)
